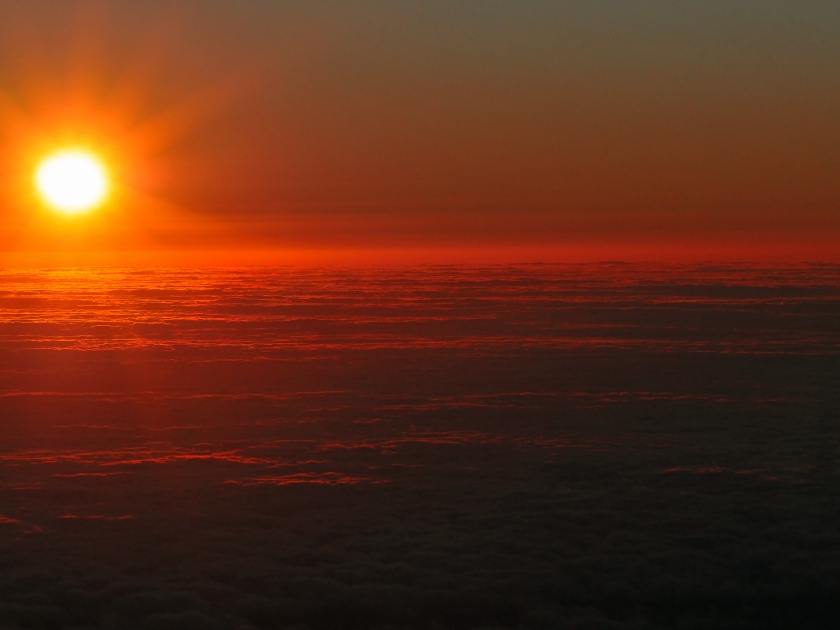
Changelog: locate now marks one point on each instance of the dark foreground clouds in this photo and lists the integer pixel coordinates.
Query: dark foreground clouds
(533, 447)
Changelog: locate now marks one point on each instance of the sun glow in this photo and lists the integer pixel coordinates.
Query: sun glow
(72, 181)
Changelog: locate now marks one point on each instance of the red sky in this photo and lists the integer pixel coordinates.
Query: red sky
(265, 131)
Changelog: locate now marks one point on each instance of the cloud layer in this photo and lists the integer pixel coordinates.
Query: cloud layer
(517, 447)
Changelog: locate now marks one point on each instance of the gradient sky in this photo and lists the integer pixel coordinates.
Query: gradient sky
(535, 130)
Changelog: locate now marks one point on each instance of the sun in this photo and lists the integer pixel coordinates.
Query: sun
(72, 181)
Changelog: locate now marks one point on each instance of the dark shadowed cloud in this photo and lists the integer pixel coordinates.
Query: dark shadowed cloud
(532, 447)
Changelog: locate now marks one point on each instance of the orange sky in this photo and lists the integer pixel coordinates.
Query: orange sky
(265, 131)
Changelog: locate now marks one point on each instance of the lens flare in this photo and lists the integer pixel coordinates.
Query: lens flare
(72, 181)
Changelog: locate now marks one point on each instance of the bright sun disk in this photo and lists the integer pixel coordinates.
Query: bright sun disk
(72, 181)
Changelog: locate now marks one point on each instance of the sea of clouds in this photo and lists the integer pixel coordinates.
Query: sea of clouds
(602, 446)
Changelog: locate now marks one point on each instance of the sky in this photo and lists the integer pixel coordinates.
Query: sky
(270, 131)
